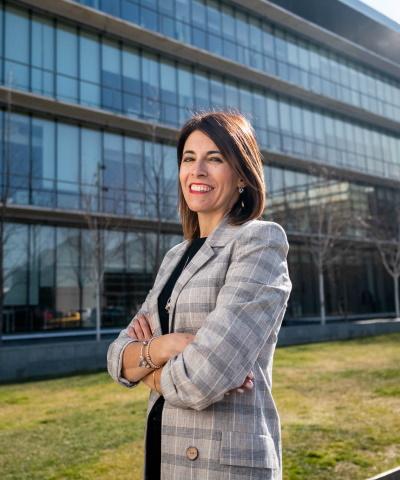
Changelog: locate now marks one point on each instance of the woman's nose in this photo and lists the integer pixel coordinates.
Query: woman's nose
(198, 169)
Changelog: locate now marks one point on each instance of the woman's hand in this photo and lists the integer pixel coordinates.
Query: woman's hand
(248, 384)
(140, 327)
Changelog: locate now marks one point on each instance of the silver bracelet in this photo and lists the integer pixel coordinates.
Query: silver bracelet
(142, 358)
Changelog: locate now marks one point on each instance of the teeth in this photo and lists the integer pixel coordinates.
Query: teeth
(200, 188)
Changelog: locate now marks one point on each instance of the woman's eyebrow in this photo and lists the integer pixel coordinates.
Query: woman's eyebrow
(208, 153)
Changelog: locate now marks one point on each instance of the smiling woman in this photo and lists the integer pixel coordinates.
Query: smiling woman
(204, 339)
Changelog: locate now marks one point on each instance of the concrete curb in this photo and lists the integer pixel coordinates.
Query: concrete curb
(389, 475)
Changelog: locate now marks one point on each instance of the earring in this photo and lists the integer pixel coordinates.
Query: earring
(241, 190)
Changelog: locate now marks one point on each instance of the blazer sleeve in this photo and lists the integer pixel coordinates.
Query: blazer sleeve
(117, 348)
(250, 306)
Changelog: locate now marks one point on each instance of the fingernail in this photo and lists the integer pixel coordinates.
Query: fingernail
(227, 393)
(240, 390)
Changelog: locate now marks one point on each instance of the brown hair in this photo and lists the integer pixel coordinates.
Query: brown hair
(236, 140)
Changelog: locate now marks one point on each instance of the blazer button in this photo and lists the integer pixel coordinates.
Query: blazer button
(192, 453)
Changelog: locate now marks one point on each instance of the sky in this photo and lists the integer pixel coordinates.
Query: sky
(390, 8)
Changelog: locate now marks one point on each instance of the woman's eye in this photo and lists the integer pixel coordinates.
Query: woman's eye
(187, 159)
(216, 159)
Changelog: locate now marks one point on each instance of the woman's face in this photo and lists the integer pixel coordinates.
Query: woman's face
(208, 182)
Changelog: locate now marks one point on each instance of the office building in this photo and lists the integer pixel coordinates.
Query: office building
(93, 94)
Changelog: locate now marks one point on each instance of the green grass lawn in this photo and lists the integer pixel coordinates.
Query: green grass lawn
(339, 404)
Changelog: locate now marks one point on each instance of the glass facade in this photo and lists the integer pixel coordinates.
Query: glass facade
(98, 72)
(50, 282)
(228, 31)
(49, 270)
(54, 164)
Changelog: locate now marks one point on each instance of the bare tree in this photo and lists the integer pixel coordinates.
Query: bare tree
(383, 229)
(99, 225)
(320, 213)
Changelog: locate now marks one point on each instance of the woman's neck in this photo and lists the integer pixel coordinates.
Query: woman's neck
(208, 223)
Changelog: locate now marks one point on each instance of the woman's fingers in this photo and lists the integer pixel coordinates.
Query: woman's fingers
(131, 332)
(144, 323)
(248, 384)
(139, 328)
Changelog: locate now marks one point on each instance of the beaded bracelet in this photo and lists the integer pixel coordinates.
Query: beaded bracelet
(148, 357)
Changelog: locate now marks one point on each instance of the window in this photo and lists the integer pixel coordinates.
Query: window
(89, 65)
(111, 76)
(185, 92)
(19, 158)
(42, 42)
(168, 92)
(43, 162)
(150, 85)
(67, 165)
(113, 173)
(16, 72)
(134, 177)
(91, 161)
(67, 64)
(131, 81)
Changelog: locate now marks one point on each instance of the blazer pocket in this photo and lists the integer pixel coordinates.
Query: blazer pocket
(248, 450)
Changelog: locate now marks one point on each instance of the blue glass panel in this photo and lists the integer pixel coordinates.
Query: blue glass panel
(242, 29)
(150, 85)
(130, 11)
(217, 93)
(215, 44)
(19, 157)
(169, 91)
(232, 95)
(67, 166)
(111, 76)
(43, 162)
(213, 17)
(1, 45)
(201, 91)
(67, 63)
(134, 177)
(42, 34)
(199, 13)
(113, 173)
(228, 23)
(16, 45)
(199, 38)
(90, 92)
(149, 18)
(110, 6)
(91, 172)
(167, 26)
(15, 266)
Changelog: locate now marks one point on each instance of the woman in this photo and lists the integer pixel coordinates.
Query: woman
(206, 333)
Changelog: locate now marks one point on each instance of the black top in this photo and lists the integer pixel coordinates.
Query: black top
(165, 294)
(153, 438)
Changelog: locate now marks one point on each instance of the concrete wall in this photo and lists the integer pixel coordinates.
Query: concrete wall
(41, 360)
(296, 335)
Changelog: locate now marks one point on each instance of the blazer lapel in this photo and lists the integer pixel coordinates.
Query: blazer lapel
(164, 275)
(218, 238)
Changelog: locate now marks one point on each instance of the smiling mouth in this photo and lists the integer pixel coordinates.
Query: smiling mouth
(193, 188)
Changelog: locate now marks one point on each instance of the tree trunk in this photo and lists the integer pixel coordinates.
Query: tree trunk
(98, 311)
(322, 296)
(396, 296)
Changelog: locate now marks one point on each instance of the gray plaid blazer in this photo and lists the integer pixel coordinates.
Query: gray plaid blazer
(232, 296)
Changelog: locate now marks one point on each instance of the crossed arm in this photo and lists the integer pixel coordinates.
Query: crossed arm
(163, 348)
(249, 308)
